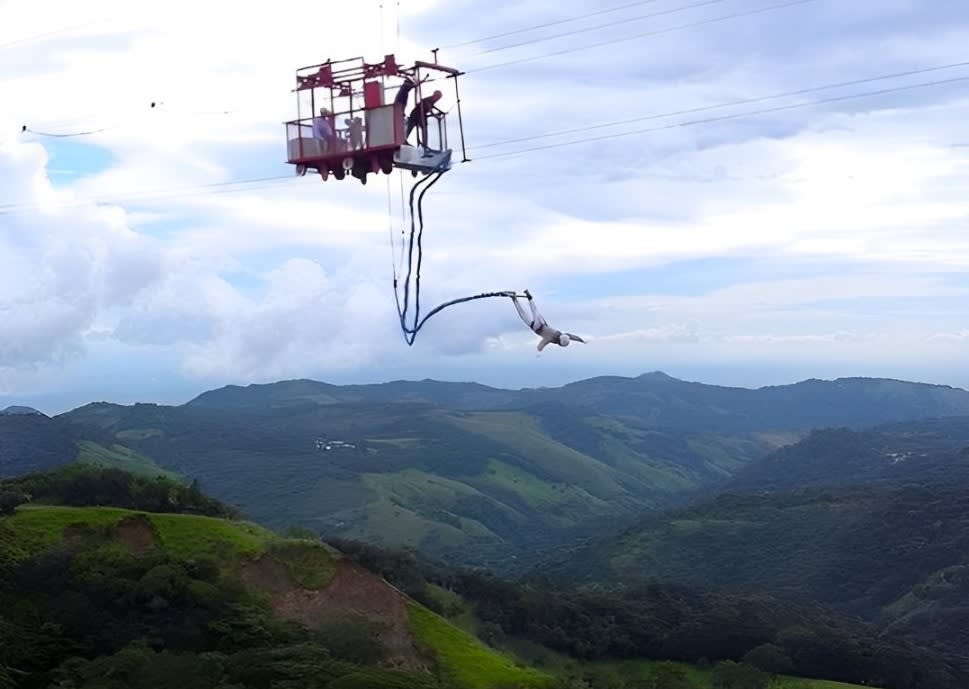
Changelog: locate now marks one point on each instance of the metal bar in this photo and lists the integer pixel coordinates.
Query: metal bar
(439, 68)
(457, 95)
(328, 62)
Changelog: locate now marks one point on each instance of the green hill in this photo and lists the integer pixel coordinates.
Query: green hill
(895, 555)
(595, 638)
(479, 485)
(486, 476)
(137, 599)
(928, 451)
(33, 442)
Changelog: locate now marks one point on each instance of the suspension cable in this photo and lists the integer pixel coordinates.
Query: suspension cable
(417, 231)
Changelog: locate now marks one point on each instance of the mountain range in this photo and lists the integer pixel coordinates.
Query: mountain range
(479, 474)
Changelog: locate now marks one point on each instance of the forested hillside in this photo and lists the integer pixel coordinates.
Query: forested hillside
(179, 592)
(486, 476)
(167, 592)
(872, 523)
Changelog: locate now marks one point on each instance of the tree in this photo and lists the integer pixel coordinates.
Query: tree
(770, 658)
(730, 675)
(10, 500)
(301, 532)
(668, 676)
(354, 638)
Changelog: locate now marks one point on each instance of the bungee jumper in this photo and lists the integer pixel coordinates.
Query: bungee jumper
(540, 326)
(375, 139)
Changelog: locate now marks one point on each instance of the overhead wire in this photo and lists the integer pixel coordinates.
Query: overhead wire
(55, 32)
(400, 176)
(717, 106)
(239, 185)
(410, 332)
(417, 225)
(646, 34)
(556, 22)
(627, 20)
(133, 117)
(789, 3)
(723, 118)
(397, 265)
(228, 186)
(51, 135)
(8, 207)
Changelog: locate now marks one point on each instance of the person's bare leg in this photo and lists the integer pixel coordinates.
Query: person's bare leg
(524, 316)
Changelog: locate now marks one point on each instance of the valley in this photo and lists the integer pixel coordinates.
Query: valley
(490, 477)
(578, 537)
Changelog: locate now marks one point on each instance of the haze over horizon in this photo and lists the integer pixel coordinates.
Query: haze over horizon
(812, 242)
(176, 394)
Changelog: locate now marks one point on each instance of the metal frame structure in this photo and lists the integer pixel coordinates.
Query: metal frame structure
(371, 138)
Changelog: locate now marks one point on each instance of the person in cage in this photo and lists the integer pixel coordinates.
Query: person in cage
(323, 131)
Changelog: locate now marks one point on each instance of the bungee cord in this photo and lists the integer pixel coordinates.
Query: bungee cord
(416, 233)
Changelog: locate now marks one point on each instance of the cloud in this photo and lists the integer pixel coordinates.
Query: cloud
(59, 271)
(834, 227)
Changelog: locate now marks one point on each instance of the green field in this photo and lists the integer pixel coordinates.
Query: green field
(34, 528)
(523, 433)
(120, 457)
(466, 662)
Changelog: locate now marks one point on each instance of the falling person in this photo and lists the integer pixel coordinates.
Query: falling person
(540, 326)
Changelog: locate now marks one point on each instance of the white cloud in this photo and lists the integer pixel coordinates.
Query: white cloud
(292, 278)
(59, 269)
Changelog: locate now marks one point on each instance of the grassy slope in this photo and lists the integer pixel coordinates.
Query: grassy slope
(545, 453)
(34, 528)
(462, 659)
(467, 662)
(120, 457)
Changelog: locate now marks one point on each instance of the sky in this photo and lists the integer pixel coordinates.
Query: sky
(718, 208)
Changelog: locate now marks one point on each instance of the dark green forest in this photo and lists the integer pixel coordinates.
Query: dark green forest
(877, 540)
(80, 485)
(661, 620)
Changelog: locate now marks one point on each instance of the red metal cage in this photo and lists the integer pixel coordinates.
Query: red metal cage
(345, 123)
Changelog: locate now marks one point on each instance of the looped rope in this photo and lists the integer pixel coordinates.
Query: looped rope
(417, 229)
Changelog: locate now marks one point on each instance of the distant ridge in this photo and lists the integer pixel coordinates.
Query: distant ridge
(426, 384)
(20, 411)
